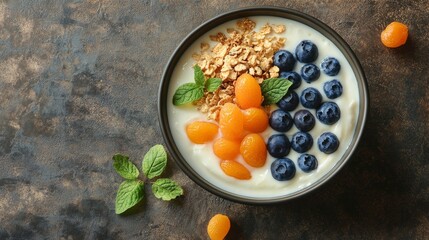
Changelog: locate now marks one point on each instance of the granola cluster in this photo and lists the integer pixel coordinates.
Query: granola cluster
(242, 50)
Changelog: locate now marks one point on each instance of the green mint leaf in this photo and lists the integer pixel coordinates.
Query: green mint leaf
(154, 161)
(198, 75)
(166, 189)
(125, 167)
(130, 193)
(212, 84)
(273, 89)
(187, 93)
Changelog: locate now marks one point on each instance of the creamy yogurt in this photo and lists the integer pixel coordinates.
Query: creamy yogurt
(262, 185)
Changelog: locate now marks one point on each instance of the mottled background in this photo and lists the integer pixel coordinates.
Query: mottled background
(78, 83)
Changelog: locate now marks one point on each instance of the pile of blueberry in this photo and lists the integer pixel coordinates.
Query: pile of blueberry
(328, 112)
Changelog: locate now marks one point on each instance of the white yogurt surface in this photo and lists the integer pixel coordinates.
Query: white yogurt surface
(262, 185)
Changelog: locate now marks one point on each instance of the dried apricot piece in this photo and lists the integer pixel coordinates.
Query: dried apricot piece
(218, 227)
(247, 92)
(235, 169)
(231, 122)
(255, 120)
(253, 150)
(201, 132)
(395, 35)
(226, 149)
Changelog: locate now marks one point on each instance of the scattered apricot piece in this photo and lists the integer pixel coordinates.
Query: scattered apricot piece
(231, 122)
(235, 169)
(247, 92)
(218, 227)
(201, 132)
(226, 149)
(255, 120)
(395, 35)
(253, 150)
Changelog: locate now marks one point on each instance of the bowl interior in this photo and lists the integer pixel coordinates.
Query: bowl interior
(164, 100)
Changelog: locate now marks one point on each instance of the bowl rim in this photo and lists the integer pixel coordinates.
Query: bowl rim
(286, 13)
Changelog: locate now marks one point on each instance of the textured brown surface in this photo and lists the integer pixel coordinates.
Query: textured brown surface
(79, 81)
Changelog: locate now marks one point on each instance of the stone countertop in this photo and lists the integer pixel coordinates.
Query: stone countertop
(79, 82)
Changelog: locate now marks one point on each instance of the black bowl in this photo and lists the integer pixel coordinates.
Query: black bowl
(249, 12)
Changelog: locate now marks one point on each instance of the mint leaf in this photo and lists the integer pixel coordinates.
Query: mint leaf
(198, 75)
(212, 84)
(154, 161)
(166, 189)
(273, 89)
(130, 193)
(125, 167)
(187, 93)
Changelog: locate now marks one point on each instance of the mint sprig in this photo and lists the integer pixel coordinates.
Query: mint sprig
(131, 191)
(273, 89)
(190, 92)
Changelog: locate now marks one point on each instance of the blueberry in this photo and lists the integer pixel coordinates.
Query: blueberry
(310, 72)
(278, 145)
(328, 142)
(328, 113)
(283, 169)
(333, 89)
(311, 98)
(284, 60)
(307, 162)
(304, 120)
(294, 77)
(280, 120)
(301, 142)
(289, 101)
(306, 51)
(330, 66)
